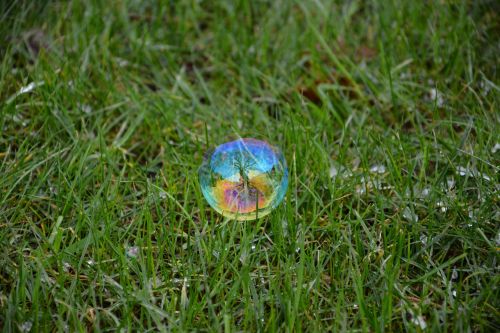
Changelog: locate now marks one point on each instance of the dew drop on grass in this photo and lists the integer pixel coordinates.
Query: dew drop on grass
(244, 179)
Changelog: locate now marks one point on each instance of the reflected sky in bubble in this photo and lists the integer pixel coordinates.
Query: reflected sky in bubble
(244, 179)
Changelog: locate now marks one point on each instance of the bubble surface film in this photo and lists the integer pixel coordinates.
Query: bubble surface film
(244, 179)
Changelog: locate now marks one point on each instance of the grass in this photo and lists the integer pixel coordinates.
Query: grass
(386, 111)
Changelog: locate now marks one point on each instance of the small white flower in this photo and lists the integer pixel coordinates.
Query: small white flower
(442, 206)
(66, 267)
(367, 184)
(216, 254)
(155, 282)
(436, 95)
(284, 227)
(47, 279)
(405, 75)
(177, 281)
(451, 183)
(495, 148)
(243, 257)
(419, 321)
(469, 172)
(360, 190)
(454, 274)
(184, 297)
(380, 168)
(24, 90)
(333, 172)
(423, 239)
(30, 87)
(132, 251)
(485, 87)
(409, 215)
(339, 170)
(122, 62)
(90, 262)
(26, 326)
(464, 171)
(471, 214)
(85, 108)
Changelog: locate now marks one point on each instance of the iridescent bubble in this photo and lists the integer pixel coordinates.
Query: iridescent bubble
(244, 179)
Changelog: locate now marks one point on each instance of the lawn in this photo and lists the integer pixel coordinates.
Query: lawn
(387, 113)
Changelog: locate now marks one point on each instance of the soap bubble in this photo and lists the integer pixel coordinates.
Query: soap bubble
(244, 179)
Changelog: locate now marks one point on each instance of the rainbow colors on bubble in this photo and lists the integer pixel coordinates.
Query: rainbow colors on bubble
(244, 179)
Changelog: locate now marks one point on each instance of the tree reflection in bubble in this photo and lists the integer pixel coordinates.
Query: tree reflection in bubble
(244, 179)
